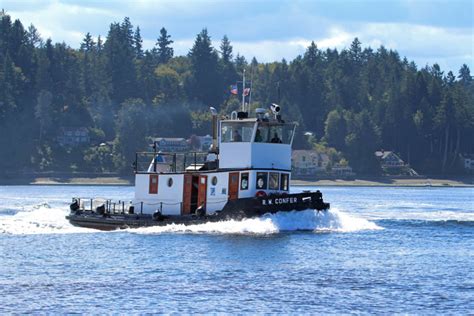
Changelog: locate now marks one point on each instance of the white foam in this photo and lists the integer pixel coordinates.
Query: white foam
(309, 220)
(39, 219)
(44, 219)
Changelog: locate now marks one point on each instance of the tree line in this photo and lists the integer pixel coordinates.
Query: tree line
(353, 101)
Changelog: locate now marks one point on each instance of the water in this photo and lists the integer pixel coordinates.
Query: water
(379, 250)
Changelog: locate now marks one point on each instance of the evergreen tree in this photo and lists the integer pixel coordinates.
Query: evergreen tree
(204, 71)
(164, 51)
(43, 111)
(465, 75)
(138, 41)
(120, 53)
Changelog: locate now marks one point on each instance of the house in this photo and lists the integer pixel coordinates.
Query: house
(388, 159)
(206, 142)
(339, 170)
(308, 162)
(170, 144)
(392, 164)
(73, 136)
(200, 143)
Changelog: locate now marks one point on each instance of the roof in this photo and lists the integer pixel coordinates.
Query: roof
(169, 139)
(311, 153)
(383, 153)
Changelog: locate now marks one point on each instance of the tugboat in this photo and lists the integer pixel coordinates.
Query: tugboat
(245, 174)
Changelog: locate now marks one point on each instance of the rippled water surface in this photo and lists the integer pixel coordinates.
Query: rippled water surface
(379, 250)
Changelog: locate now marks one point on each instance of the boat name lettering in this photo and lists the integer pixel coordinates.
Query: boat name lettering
(279, 201)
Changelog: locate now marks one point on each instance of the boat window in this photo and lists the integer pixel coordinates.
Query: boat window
(236, 131)
(244, 181)
(284, 182)
(170, 182)
(274, 133)
(214, 180)
(262, 178)
(273, 181)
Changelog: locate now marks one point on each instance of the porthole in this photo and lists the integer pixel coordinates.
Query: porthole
(214, 180)
(170, 182)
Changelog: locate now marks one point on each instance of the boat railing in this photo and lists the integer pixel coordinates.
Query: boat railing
(108, 206)
(160, 162)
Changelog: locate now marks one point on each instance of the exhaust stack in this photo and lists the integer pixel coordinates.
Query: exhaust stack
(214, 130)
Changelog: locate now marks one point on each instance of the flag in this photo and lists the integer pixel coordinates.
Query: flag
(246, 91)
(233, 89)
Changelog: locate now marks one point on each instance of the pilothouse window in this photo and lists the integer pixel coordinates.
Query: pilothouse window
(236, 132)
(274, 133)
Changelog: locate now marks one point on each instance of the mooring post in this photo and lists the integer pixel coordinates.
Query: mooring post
(141, 207)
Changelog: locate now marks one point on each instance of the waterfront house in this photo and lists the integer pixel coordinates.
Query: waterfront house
(308, 162)
(170, 144)
(392, 164)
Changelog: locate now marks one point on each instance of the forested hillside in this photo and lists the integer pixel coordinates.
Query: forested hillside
(355, 100)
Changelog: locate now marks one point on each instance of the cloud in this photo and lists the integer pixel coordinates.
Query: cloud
(437, 31)
(424, 44)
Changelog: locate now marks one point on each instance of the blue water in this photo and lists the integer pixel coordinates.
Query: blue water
(379, 250)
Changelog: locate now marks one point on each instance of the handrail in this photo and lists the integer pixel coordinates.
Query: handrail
(118, 207)
(164, 162)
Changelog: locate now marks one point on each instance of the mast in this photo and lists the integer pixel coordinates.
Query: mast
(251, 88)
(243, 93)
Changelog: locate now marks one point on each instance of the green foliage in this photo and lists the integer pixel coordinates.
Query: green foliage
(99, 158)
(355, 101)
(168, 83)
(131, 130)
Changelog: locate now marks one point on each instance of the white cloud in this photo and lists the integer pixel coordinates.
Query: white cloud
(65, 22)
(269, 34)
(424, 44)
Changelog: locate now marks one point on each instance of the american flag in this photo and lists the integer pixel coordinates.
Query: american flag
(233, 89)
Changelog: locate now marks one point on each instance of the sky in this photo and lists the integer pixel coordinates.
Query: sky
(424, 31)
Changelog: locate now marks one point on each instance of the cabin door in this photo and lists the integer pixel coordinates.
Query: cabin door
(233, 186)
(187, 194)
(153, 184)
(202, 191)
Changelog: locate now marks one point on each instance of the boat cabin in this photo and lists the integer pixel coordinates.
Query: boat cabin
(251, 157)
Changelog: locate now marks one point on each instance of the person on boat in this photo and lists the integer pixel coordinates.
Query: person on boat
(258, 136)
(237, 136)
(275, 138)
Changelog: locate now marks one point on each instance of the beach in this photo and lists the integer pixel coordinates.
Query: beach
(434, 181)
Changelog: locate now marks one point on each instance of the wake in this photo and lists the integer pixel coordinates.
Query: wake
(44, 219)
(39, 219)
(309, 220)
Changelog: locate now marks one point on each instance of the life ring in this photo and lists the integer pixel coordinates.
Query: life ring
(260, 194)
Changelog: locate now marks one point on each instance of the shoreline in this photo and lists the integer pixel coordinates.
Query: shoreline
(454, 181)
